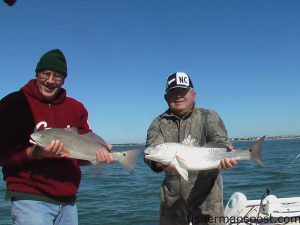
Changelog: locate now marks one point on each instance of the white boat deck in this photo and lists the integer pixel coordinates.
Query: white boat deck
(270, 210)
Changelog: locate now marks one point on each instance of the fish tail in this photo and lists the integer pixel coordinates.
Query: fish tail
(255, 151)
(128, 159)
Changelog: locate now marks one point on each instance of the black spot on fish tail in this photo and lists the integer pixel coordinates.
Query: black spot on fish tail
(129, 158)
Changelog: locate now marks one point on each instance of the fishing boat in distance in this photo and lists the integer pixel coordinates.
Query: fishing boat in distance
(267, 210)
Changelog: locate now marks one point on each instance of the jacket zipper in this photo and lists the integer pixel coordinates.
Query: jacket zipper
(52, 119)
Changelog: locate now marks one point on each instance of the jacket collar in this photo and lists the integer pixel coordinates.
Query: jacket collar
(170, 114)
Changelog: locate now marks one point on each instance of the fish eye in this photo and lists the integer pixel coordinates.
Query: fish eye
(250, 150)
(124, 154)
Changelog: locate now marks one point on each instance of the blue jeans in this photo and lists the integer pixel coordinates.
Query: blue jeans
(25, 212)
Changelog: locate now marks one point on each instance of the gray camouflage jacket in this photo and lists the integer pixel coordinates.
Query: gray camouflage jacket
(204, 189)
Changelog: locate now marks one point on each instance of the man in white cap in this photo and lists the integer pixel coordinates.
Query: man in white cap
(199, 200)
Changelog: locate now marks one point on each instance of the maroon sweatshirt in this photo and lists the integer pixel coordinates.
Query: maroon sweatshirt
(23, 112)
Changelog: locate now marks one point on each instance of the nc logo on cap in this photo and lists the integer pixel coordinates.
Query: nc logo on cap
(178, 79)
(182, 79)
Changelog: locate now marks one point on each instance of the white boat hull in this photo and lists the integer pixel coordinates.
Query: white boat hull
(270, 210)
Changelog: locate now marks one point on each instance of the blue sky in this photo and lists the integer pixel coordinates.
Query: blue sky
(243, 57)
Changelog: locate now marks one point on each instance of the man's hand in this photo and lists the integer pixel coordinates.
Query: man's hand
(54, 150)
(103, 156)
(228, 163)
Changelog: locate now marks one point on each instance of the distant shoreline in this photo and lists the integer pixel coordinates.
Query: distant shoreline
(129, 144)
(280, 137)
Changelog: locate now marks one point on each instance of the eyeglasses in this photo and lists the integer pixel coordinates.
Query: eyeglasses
(45, 75)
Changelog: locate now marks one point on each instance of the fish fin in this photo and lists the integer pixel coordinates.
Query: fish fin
(72, 130)
(255, 151)
(33, 142)
(97, 138)
(214, 145)
(189, 141)
(182, 162)
(183, 172)
(91, 135)
(127, 158)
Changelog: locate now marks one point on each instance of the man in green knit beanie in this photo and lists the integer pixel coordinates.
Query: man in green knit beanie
(53, 60)
(51, 71)
(41, 182)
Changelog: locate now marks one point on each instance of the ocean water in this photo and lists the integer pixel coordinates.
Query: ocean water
(108, 195)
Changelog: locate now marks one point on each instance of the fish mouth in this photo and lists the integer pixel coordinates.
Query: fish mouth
(151, 157)
(148, 156)
(35, 142)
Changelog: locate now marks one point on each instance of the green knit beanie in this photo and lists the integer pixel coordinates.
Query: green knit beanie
(53, 60)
